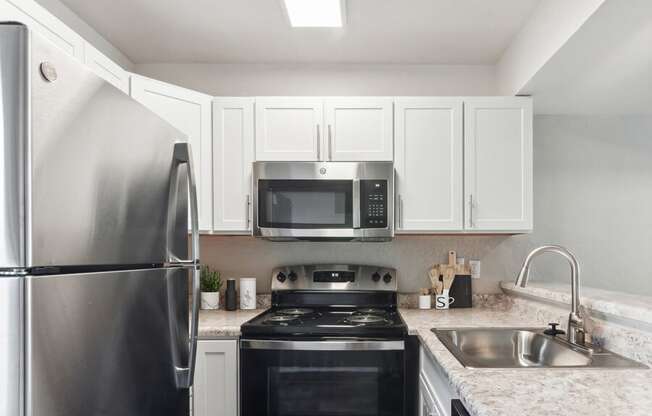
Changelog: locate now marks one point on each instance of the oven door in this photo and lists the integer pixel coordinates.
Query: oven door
(322, 378)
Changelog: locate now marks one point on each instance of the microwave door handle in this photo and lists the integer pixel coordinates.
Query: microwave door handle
(357, 206)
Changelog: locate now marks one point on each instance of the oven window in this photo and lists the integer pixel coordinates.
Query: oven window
(305, 203)
(296, 391)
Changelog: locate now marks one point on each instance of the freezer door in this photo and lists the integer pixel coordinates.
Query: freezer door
(107, 343)
(100, 170)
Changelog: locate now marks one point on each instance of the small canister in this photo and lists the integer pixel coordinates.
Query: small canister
(230, 302)
(247, 293)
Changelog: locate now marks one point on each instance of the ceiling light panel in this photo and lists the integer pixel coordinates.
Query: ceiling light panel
(315, 13)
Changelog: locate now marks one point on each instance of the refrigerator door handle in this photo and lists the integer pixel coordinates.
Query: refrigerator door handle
(183, 155)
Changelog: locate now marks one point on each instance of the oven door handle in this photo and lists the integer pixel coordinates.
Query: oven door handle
(329, 345)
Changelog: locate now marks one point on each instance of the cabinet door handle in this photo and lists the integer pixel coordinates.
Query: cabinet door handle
(247, 204)
(471, 222)
(330, 143)
(400, 211)
(318, 143)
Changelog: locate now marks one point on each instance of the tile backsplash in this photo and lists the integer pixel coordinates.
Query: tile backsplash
(412, 256)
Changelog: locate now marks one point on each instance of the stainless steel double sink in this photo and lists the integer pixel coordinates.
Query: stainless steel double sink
(523, 348)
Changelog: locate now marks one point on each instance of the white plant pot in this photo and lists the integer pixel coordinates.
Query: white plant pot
(210, 300)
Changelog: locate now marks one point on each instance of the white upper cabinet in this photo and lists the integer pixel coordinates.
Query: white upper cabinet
(233, 154)
(289, 128)
(190, 112)
(429, 164)
(38, 19)
(498, 163)
(106, 68)
(359, 129)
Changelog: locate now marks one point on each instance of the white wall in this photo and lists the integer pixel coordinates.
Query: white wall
(301, 79)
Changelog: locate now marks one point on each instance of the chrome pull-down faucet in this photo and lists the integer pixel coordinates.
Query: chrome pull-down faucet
(576, 329)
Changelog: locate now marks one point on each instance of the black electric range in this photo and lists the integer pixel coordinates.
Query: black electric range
(333, 343)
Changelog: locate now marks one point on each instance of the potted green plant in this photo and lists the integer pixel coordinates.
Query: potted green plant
(210, 283)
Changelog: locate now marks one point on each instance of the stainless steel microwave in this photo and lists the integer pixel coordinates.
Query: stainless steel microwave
(348, 201)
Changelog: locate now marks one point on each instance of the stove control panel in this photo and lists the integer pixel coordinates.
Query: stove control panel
(334, 277)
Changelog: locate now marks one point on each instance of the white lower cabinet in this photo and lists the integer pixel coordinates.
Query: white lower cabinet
(215, 387)
(427, 401)
(435, 392)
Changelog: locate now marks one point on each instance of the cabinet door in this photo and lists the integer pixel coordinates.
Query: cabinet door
(215, 387)
(289, 128)
(427, 403)
(429, 164)
(190, 112)
(40, 20)
(359, 129)
(498, 163)
(106, 68)
(233, 154)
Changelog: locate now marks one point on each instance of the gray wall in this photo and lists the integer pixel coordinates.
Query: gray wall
(593, 194)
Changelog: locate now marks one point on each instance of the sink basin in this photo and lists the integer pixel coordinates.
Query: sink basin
(522, 348)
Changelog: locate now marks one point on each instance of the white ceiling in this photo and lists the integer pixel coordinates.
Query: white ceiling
(257, 31)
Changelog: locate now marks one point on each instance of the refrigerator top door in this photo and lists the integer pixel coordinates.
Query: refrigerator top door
(13, 139)
(101, 168)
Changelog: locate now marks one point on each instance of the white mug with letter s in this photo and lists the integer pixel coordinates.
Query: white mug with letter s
(443, 301)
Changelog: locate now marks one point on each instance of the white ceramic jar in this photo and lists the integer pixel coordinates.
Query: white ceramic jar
(247, 293)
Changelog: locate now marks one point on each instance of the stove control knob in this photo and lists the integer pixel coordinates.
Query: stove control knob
(292, 276)
(280, 277)
(375, 277)
(387, 278)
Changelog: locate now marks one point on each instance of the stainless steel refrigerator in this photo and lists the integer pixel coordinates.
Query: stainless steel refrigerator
(95, 256)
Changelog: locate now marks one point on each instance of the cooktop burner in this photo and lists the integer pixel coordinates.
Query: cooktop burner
(296, 311)
(370, 311)
(366, 319)
(281, 318)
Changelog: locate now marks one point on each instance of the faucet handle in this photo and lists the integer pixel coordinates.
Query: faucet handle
(553, 331)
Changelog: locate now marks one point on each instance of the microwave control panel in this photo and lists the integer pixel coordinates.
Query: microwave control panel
(373, 198)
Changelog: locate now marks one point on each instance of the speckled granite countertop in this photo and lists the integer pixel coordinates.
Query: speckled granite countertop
(221, 323)
(501, 392)
(532, 392)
